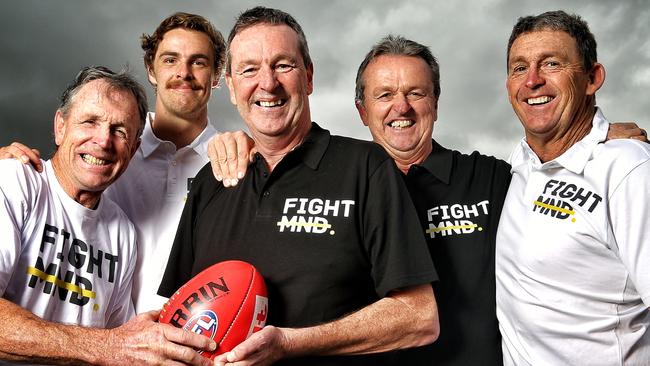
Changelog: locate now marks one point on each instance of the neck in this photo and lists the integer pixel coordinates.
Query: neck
(404, 160)
(275, 148)
(550, 146)
(88, 199)
(179, 130)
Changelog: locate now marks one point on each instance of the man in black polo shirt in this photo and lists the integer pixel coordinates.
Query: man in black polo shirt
(326, 219)
(458, 198)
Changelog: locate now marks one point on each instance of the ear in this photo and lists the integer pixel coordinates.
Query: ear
(596, 78)
(362, 112)
(310, 79)
(151, 75)
(59, 127)
(231, 89)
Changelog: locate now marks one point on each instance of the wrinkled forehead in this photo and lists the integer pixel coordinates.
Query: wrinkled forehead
(264, 40)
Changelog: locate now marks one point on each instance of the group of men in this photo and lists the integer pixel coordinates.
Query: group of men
(350, 237)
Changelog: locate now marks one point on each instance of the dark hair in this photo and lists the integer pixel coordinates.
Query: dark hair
(398, 46)
(558, 20)
(149, 43)
(263, 15)
(120, 81)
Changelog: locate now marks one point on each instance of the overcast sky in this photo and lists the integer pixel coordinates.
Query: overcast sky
(45, 42)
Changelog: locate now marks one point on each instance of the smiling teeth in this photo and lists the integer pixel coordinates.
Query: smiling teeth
(539, 100)
(401, 123)
(270, 103)
(93, 160)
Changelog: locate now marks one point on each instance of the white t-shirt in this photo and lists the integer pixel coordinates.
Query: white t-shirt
(58, 259)
(573, 255)
(152, 192)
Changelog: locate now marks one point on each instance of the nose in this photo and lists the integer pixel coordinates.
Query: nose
(102, 137)
(534, 78)
(267, 79)
(184, 71)
(401, 104)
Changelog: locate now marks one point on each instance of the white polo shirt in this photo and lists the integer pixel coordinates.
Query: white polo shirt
(152, 192)
(573, 255)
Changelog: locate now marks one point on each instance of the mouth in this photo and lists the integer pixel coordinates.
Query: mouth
(271, 103)
(539, 100)
(89, 159)
(401, 123)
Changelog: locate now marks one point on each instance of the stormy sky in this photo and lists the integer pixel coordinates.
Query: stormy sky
(45, 42)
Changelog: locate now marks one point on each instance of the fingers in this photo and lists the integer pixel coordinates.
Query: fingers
(188, 339)
(229, 154)
(23, 153)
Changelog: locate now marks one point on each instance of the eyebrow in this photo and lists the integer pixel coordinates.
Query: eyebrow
(176, 54)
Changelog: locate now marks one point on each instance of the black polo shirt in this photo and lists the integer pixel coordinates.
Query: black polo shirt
(332, 229)
(459, 199)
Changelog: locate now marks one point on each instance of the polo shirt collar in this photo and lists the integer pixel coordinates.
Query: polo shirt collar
(439, 162)
(576, 157)
(150, 142)
(313, 148)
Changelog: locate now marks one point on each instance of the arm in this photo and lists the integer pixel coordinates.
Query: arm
(140, 341)
(626, 130)
(230, 153)
(23, 153)
(403, 319)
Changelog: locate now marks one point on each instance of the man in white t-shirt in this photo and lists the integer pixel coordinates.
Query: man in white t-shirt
(573, 281)
(184, 58)
(68, 254)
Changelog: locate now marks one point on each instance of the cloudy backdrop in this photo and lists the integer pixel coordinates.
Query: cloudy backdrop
(43, 43)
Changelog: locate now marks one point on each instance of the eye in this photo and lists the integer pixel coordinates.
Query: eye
(200, 62)
(384, 96)
(248, 72)
(120, 132)
(518, 69)
(284, 67)
(168, 60)
(552, 64)
(416, 94)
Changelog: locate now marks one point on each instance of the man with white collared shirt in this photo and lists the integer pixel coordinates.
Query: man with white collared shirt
(184, 58)
(152, 192)
(573, 286)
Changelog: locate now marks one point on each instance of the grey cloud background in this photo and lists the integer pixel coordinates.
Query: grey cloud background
(44, 43)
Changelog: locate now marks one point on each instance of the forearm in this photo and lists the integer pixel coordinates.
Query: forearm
(404, 319)
(26, 337)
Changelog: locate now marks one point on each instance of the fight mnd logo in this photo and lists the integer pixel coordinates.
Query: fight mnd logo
(455, 219)
(59, 276)
(558, 197)
(310, 215)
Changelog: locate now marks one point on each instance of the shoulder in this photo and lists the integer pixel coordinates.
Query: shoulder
(353, 150)
(17, 176)
(478, 164)
(622, 155)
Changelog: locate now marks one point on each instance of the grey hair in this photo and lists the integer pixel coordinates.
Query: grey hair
(398, 46)
(264, 15)
(558, 20)
(121, 81)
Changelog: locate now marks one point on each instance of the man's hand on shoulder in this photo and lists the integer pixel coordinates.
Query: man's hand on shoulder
(626, 130)
(23, 153)
(230, 153)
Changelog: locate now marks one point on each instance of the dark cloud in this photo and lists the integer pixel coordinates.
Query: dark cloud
(45, 43)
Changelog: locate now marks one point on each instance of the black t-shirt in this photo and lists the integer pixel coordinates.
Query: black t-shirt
(459, 199)
(332, 229)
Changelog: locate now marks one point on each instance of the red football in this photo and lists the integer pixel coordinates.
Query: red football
(226, 302)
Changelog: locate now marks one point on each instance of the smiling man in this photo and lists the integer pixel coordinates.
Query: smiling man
(68, 253)
(325, 219)
(573, 284)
